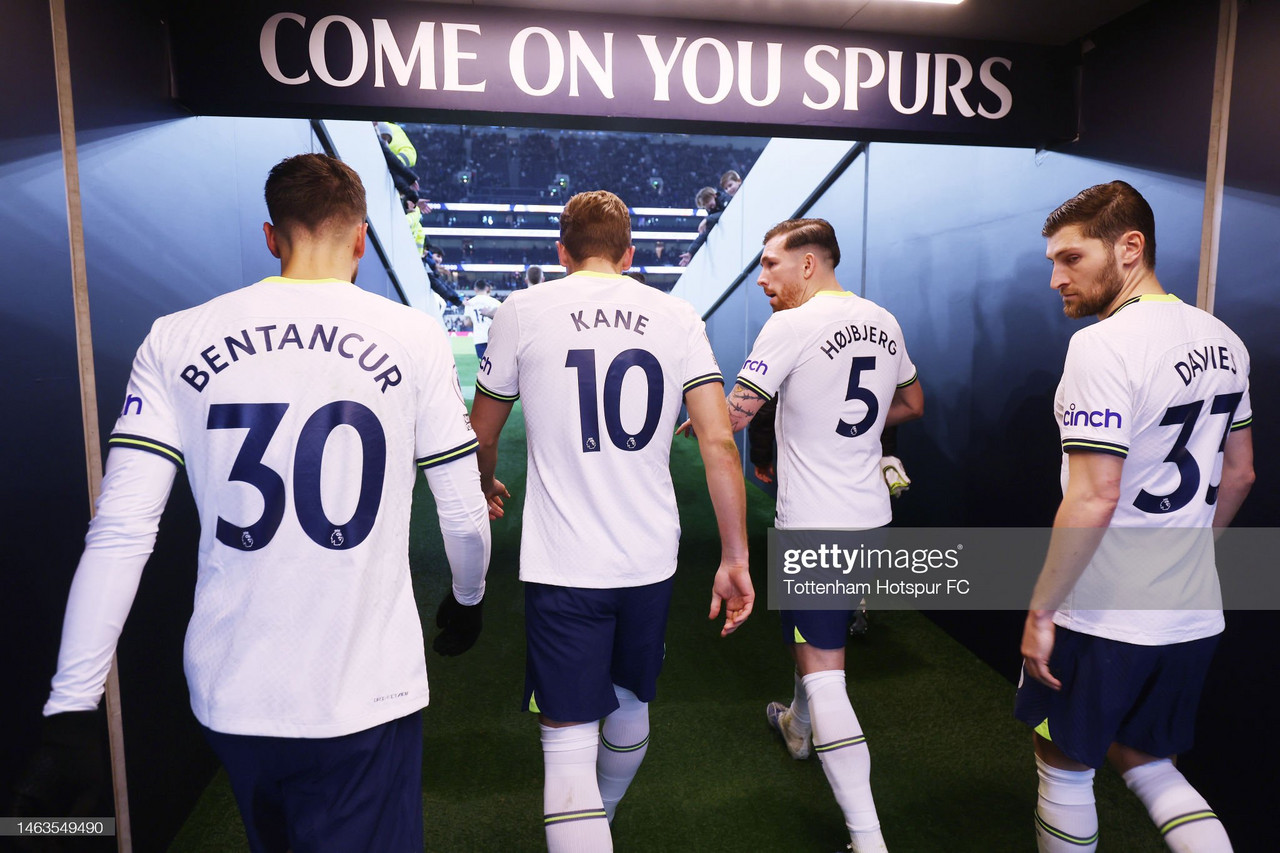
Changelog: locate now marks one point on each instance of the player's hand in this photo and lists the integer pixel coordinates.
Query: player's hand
(684, 260)
(1037, 646)
(64, 775)
(494, 495)
(764, 473)
(460, 626)
(732, 588)
(686, 429)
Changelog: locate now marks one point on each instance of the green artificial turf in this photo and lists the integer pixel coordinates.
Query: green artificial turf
(951, 770)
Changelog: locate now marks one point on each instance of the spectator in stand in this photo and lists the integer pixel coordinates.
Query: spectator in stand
(729, 182)
(532, 276)
(708, 199)
(432, 258)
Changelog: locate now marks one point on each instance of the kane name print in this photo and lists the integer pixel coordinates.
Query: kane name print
(613, 318)
(267, 339)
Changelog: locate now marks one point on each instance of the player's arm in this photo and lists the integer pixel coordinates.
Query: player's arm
(1237, 476)
(907, 404)
(1093, 489)
(135, 488)
(742, 403)
(732, 586)
(464, 525)
(488, 416)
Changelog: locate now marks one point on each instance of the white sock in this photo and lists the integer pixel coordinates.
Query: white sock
(842, 748)
(573, 815)
(624, 740)
(800, 707)
(1182, 815)
(1066, 815)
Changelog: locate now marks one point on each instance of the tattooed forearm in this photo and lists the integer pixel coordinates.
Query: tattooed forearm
(743, 405)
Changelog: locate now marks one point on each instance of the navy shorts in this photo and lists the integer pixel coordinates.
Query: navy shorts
(356, 792)
(822, 629)
(480, 348)
(580, 642)
(1144, 697)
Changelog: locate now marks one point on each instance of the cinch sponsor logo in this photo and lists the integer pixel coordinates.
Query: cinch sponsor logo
(756, 366)
(131, 402)
(1078, 417)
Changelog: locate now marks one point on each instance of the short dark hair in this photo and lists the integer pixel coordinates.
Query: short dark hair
(314, 191)
(595, 224)
(534, 274)
(807, 232)
(482, 285)
(1105, 212)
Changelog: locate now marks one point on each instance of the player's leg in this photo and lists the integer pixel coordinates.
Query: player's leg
(624, 741)
(569, 633)
(639, 650)
(818, 644)
(358, 792)
(792, 721)
(1163, 724)
(573, 815)
(1066, 811)
(1184, 818)
(254, 766)
(1103, 680)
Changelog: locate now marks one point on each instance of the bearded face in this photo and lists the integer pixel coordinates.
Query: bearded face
(1085, 272)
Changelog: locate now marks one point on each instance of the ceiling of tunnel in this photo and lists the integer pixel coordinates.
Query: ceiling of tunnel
(1048, 22)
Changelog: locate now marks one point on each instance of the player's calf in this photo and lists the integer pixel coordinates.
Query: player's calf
(1182, 815)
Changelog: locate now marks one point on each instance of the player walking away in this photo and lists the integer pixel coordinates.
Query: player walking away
(301, 408)
(480, 308)
(839, 367)
(1125, 684)
(602, 364)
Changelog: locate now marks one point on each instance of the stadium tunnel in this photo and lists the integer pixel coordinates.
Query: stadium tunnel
(165, 212)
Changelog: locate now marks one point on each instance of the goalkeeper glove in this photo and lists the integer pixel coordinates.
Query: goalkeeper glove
(895, 475)
(459, 626)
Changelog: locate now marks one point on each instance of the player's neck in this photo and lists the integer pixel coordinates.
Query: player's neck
(1140, 282)
(316, 261)
(600, 265)
(822, 285)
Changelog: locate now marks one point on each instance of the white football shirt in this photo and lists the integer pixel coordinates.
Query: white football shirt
(479, 322)
(600, 364)
(836, 362)
(1158, 383)
(301, 411)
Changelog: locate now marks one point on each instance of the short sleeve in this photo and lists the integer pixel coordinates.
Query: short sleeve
(148, 420)
(443, 430)
(1243, 416)
(773, 356)
(701, 367)
(1096, 407)
(498, 374)
(907, 373)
